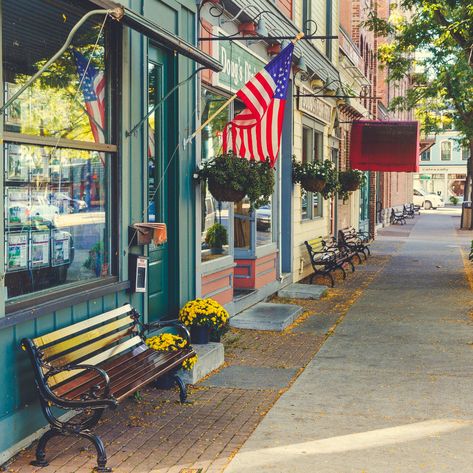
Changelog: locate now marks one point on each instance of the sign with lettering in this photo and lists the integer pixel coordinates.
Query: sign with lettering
(314, 106)
(240, 64)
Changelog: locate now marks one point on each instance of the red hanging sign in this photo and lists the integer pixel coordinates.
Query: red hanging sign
(391, 146)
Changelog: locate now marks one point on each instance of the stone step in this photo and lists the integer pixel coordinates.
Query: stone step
(266, 316)
(210, 357)
(302, 291)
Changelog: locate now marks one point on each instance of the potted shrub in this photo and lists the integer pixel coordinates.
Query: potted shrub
(216, 237)
(202, 316)
(170, 342)
(312, 176)
(230, 178)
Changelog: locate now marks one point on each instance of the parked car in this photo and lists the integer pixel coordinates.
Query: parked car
(68, 204)
(263, 218)
(426, 200)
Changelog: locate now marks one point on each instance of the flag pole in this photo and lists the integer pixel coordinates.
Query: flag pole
(227, 103)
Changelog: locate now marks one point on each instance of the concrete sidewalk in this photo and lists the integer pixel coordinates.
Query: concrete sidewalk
(392, 389)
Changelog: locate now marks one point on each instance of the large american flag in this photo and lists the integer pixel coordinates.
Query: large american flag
(255, 133)
(93, 90)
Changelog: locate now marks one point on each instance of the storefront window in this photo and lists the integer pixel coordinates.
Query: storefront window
(264, 234)
(243, 224)
(213, 212)
(312, 141)
(56, 186)
(465, 152)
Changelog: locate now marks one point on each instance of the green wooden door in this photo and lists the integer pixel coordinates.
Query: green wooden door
(158, 84)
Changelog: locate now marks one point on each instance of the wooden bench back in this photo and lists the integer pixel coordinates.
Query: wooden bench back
(89, 342)
(315, 245)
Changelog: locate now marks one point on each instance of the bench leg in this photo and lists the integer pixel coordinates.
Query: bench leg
(182, 389)
(101, 455)
(41, 448)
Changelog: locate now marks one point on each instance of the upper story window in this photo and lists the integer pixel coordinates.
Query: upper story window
(56, 148)
(425, 156)
(446, 150)
(307, 16)
(466, 153)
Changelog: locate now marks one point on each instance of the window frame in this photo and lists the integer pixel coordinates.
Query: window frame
(426, 153)
(317, 141)
(26, 305)
(441, 150)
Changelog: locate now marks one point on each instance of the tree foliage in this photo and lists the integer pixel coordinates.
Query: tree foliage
(432, 42)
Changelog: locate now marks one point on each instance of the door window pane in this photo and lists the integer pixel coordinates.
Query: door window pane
(242, 224)
(264, 218)
(55, 220)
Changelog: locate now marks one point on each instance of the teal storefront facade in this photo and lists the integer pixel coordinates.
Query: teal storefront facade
(94, 188)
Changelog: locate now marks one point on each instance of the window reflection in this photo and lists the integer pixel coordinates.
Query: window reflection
(214, 213)
(54, 217)
(54, 105)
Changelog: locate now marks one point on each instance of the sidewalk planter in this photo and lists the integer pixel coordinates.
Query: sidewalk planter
(200, 334)
(202, 316)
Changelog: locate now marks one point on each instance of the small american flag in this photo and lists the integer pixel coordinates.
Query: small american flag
(93, 90)
(255, 133)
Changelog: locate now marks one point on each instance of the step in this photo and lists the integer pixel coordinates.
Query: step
(302, 291)
(210, 357)
(267, 316)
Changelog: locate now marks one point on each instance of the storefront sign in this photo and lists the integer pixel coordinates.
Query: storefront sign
(314, 106)
(240, 64)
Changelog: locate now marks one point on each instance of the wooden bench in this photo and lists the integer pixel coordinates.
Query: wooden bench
(355, 241)
(94, 365)
(326, 258)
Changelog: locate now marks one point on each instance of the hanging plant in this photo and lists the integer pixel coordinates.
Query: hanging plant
(230, 178)
(315, 176)
(350, 181)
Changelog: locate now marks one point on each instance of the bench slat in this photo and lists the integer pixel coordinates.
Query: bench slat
(95, 360)
(112, 367)
(88, 336)
(160, 369)
(79, 326)
(76, 355)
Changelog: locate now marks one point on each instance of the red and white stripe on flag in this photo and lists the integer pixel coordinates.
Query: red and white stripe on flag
(255, 133)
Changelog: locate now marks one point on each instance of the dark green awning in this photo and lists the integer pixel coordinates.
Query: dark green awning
(150, 29)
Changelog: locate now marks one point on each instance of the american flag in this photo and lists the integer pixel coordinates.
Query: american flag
(255, 133)
(93, 90)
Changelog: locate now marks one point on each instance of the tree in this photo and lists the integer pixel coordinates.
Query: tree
(432, 42)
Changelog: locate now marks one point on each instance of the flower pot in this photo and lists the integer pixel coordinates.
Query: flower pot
(200, 334)
(350, 185)
(166, 381)
(216, 251)
(225, 194)
(247, 28)
(313, 184)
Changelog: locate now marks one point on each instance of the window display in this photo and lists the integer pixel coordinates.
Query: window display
(54, 229)
(55, 162)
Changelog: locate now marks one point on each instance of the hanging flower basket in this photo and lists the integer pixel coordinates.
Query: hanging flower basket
(313, 184)
(350, 180)
(231, 178)
(225, 193)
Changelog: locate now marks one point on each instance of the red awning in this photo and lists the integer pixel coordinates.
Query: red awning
(391, 146)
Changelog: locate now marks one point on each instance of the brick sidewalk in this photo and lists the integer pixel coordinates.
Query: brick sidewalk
(159, 435)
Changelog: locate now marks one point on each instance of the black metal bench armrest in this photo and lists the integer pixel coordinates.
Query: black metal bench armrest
(184, 331)
(99, 402)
